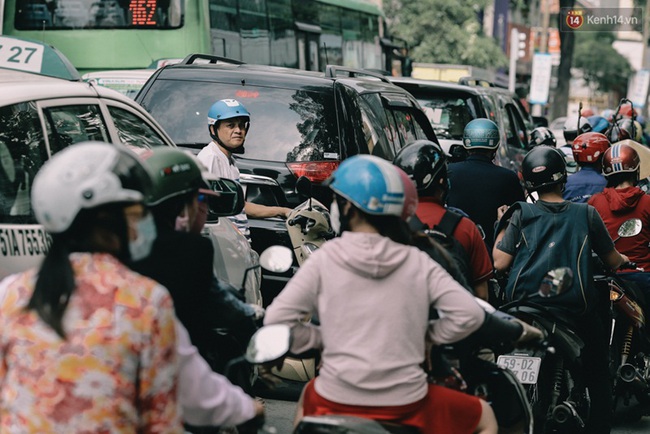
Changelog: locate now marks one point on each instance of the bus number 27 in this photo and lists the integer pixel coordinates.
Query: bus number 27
(16, 57)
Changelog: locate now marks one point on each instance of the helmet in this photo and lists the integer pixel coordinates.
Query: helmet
(598, 124)
(86, 175)
(624, 129)
(571, 130)
(587, 112)
(481, 134)
(589, 147)
(227, 109)
(543, 166)
(375, 186)
(620, 158)
(627, 111)
(542, 136)
(174, 173)
(425, 163)
(607, 114)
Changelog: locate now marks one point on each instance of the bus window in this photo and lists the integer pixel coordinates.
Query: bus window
(102, 14)
(133, 131)
(22, 153)
(68, 125)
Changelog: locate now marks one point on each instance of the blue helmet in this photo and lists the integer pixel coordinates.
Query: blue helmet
(598, 124)
(375, 186)
(481, 134)
(227, 109)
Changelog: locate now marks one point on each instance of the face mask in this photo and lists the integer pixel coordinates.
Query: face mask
(335, 217)
(141, 246)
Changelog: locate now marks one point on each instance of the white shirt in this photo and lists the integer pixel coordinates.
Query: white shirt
(219, 164)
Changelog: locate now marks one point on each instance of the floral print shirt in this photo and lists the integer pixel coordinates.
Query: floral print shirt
(116, 371)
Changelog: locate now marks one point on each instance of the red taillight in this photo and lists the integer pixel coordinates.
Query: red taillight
(316, 171)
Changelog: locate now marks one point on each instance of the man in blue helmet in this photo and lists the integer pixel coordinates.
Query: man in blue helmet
(228, 123)
(477, 186)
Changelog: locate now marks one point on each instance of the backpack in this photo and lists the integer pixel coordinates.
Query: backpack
(442, 235)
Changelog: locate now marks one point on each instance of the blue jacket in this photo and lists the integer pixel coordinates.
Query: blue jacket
(584, 184)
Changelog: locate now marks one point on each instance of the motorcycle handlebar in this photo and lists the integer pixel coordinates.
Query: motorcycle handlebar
(629, 265)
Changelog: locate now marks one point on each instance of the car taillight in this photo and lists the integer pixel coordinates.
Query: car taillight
(316, 171)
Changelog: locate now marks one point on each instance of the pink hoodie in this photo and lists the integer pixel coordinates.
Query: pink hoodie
(372, 298)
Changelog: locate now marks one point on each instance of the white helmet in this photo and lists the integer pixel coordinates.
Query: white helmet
(86, 175)
(572, 130)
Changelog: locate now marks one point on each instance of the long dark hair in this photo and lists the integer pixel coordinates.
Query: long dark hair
(56, 280)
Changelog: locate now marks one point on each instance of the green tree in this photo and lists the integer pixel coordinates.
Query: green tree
(443, 31)
(601, 64)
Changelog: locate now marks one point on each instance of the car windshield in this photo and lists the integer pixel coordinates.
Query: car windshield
(449, 114)
(286, 124)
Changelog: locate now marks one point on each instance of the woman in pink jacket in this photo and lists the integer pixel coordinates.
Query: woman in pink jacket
(372, 293)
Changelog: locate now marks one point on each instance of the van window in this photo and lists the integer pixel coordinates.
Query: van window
(22, 153)
(67, 125)
(286, 124)
(133, 131)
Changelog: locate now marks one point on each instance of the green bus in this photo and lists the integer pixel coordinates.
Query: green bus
(128, 34)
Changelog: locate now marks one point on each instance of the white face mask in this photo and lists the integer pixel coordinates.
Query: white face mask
(335, 217)
(140, 248)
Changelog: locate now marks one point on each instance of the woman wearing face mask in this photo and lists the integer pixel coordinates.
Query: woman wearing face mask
(372, 292)
(85, 343)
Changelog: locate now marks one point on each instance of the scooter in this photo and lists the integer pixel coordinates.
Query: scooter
(309, 227)
(629, 344)
(552, 375)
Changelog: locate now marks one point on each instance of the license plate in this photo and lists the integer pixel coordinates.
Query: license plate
(524, 367)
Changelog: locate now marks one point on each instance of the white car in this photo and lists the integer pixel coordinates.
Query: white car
(39, 116)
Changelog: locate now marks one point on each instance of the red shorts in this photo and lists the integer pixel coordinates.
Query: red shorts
(442, 411)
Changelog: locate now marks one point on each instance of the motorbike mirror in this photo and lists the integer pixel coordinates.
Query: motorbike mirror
(630, 228)
(269, 343)
(303, 186)
(556, 282)
(277, 259)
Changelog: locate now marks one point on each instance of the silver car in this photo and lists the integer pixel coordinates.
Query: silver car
(41, 115)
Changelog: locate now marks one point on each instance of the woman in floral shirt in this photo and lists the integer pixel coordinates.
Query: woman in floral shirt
(87, 345)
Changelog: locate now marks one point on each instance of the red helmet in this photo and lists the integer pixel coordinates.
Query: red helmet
(627, 111)
(620, 158)
(589, 147)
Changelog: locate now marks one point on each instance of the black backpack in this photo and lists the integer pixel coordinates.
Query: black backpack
(442, 235)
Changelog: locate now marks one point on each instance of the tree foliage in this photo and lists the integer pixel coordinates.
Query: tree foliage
(443, 31)
(600, 63)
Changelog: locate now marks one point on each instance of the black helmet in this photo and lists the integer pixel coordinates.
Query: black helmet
(542, 166)
(425, 163)
(542, 136)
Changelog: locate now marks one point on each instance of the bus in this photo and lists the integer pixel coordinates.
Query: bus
(131, 34)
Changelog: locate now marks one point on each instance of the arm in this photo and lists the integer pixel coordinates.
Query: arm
(295, 303)
(460, 315)
(206, 397)
(481, 290)
(256, 210)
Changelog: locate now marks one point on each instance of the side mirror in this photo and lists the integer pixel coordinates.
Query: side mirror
(269, 343)
(230, 200)
(630, 228)
(277, 259)
(303, 186)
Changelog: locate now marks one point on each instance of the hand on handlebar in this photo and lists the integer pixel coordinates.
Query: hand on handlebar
(529, 335)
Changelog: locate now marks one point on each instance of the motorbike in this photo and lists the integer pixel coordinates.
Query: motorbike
(551, 374)
(629, 344)
(309, 227)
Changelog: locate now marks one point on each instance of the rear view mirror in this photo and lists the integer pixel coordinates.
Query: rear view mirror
(269, 343)
(630, 228)
(540, 121)
(303, 186)
(230, 200)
